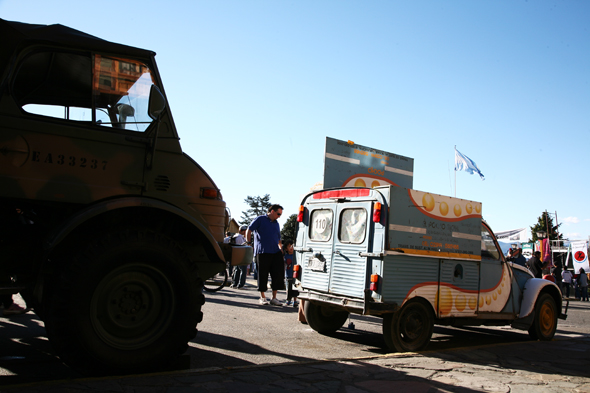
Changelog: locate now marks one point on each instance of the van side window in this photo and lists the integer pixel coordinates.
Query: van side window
(488, 247)
(320, 228)
(353, 225)
(105, 91)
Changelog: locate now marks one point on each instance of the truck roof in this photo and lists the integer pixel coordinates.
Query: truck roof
(17, 34)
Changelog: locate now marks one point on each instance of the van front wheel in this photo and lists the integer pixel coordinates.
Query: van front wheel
(324, 320)
(545, 323)
(409, 329)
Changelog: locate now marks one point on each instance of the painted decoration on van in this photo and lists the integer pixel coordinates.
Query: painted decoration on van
(347, 164)
(436, 225)
(443, 207)
(367, 181)
(449, 300)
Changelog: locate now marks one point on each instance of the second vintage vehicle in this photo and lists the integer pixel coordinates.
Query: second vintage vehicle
(415, 259)
(108, 228)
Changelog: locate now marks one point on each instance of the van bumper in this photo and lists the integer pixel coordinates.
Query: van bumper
(365, 306)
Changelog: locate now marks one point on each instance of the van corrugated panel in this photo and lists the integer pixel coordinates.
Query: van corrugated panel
(313, 279)
(401, 274)
(463, 300)
(349, 277)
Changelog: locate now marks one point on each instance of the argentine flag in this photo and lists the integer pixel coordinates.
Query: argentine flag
(464, 163)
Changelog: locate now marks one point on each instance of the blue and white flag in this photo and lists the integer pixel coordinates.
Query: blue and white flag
(464, 163)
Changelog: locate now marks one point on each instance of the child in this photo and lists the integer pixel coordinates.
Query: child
(288, 257)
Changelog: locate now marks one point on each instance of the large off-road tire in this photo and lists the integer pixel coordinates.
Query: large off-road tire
(545, 322)
(128, 302)
(324, 319)
(410, 328)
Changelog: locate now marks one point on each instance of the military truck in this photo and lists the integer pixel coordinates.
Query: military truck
(415, 259)
(107, 228)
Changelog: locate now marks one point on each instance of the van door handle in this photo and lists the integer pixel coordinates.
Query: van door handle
(371, 254)
(342, 255)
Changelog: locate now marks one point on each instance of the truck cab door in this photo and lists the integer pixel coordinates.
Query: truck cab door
(78, 134)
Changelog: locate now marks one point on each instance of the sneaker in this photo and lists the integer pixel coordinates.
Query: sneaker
(295, 304)
(289, 303)
(263, 301)
(276, 302)
(14, 309)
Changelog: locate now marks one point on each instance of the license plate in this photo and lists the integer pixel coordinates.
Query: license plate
(316, 265)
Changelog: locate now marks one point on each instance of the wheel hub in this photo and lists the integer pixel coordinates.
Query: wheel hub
(128, 303)
(131, 305)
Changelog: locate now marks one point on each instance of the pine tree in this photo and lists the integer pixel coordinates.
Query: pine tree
(289, 229)
(258, 206)
(545, 223)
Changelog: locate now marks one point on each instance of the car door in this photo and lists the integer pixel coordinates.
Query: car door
(495, 281)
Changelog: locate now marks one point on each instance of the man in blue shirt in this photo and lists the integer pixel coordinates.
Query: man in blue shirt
(268, 254)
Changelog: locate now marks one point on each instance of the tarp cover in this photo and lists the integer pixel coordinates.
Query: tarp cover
(17, 34)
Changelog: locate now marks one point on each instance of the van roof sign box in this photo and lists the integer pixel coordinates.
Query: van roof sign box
(347, 164)
(427, 224)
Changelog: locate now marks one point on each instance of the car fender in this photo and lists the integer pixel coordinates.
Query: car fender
(532, 289)
(59, 234)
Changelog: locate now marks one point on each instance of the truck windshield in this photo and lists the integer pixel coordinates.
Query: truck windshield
(101, 90)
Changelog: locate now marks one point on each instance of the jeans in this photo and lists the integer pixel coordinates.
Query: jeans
(584, 293)
(567, 285)
(254, 270)
(239, 276)
(291, 292)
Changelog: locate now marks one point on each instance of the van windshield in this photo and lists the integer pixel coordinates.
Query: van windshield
(488, 246)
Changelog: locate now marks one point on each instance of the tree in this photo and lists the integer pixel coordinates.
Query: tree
(545, 223)
(289, 229)
(258, 206)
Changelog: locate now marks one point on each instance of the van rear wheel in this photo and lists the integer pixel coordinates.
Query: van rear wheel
(409, 329)
(324, 320)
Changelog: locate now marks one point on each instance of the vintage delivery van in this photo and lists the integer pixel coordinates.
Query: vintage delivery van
(416, 259)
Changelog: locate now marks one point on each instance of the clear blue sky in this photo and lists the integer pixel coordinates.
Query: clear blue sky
(256, 86)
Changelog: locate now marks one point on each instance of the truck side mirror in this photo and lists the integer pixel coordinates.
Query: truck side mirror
(157, 103)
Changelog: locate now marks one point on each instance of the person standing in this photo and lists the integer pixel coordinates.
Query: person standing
(535, 265)
(227, 240)
(291, 292)
(518, 258)
(268, 254)
(557, 274)
(583, 282)
(238, 279)
(567, 281)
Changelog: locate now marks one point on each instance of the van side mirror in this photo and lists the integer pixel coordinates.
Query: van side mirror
(157, 103)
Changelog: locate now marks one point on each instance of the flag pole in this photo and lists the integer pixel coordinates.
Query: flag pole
(455, 172)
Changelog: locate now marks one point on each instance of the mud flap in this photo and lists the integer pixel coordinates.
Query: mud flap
(524, 323)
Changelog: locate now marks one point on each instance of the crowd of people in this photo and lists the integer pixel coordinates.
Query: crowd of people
(563, 278)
